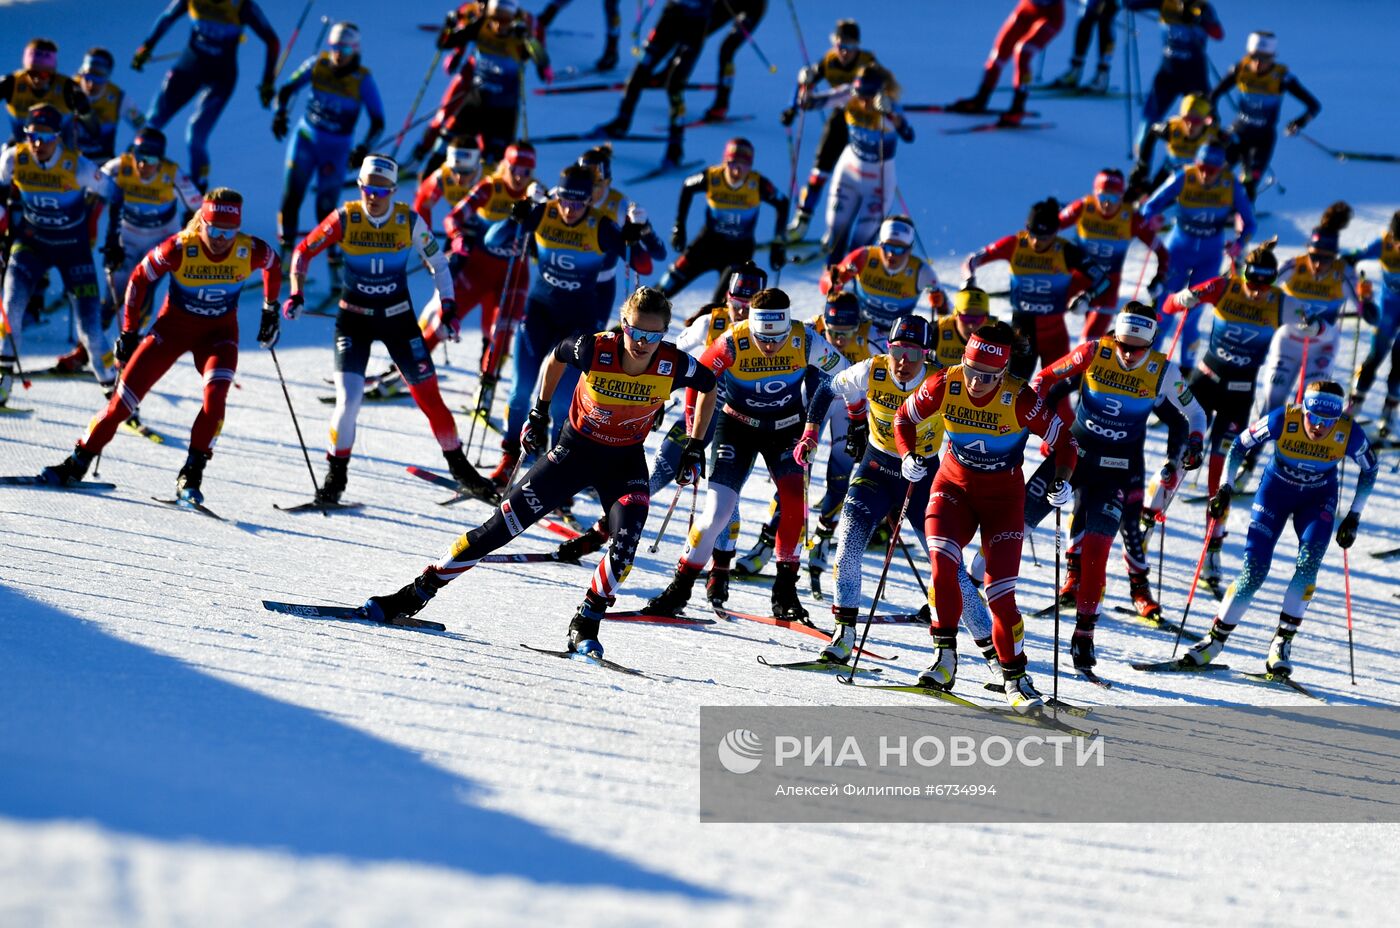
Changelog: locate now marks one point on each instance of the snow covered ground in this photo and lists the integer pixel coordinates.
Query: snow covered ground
(170, 753)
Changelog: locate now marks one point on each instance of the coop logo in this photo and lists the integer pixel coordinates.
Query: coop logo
(740, 751)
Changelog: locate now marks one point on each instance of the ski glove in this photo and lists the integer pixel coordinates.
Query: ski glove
(1346, 532)
(636, 214)
(520, 212)
(1060, 494)
(113, 254)
(789, 115)
(279, 125)
(677, 238)
(1194, 454)
(1370, 312)
(266, 91)
(691, 466)
(536, 432)
(271, 326)
(857, 437)
(448, 313)
(777, 255)
(138, 60)
(126, 346)
(357, 155)
(1219, 507)
(806, 447)
(292, 306)
(1187, 299)
(1296, 126)
(912, 468)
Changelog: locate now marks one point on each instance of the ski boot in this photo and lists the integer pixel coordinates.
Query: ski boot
(752, 564)
(675, 148)
(1070, 79)
(1387, 420)
(720, 108)
(1021, 693)
(337, 476)
(586, 543)
(1099, 84)
(786, 605)
(407, 601)
(797, 226)
(1069, 590)
(1209, 648)
(190, 477)
(68, 471)
(390, 384)
(583, 630)
(1280, 660)
(989, 654)
(843, 636)
(941, 674)
(608, 61)
(510, 457)
(1016, 113)
(819, 555)
(672, 600)
(1081, 643)
(977, 103)
(7, 379)
(1146, 606)
(468, 477)
(717, 586)
(73, 362)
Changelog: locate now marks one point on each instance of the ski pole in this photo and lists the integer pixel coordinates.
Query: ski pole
(10, 334)
(1161, 547)
(880, 588)
(417, 100)
(1055, 666)
(676, 498)
(295, 424)
(1200, 562)
(1128, 82)
(642, 12)
(1152, 249)
(1030, 536)
(694, 499)
(748, 37)
(1303, 370)
(797, 27)
(291, 40)
(1351, 643)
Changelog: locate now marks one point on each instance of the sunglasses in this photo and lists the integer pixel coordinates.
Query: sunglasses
(981, 377)
(642, 336)
(375, 192)
(1321, 423)
(97, 80)
(572, 203)
(847, 47)
(147, 161)
(1108, 197)
(771, 339)
(841, 331)
(893, 249)
(40, 137)
(220, 233)
(1131, 351)
(343, 49)
(906, 354)
(972, 318)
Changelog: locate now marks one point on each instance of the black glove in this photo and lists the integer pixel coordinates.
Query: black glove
(1346, 532)
(777, 255)
(126, 346)
(1194, 454)
(357, 155)
(857, 436)
(113, 254)
(1219, 506)
(270, 327)
(1155, 285)
(266, 91)
(279, 125)
(1296, 126)
(535, 438)
(520, 212)
(788, 117)
(692, 462)
(138, 60)
(1370, 312)
(678, 238)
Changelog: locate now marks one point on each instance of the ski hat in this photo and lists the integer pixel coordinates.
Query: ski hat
(463, 159)
(1136, 321)
(847, 32)
(770, 314)
(1260, 265)
(1261, 43)
(520, 155)
(43, 116)
(1110, 181)
(599, 161)
(842, 311)
(1195, 106)
(1323, 399)
(149, 142)
(1211, 155)
(98, 62)
(347, 34)
(738, 151)
(40, 55)
(745, 282)
(222, 213)
(972, 301)
(575, 184)
(1044, 218)
(379, 166)
(912, 330)
(502, 8)
(897, 230)
(989, 345)
(870, 81)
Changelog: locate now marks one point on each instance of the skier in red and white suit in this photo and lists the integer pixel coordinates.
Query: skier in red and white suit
(987, 416)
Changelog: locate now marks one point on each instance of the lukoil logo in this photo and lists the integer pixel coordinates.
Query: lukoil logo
(740, 751)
